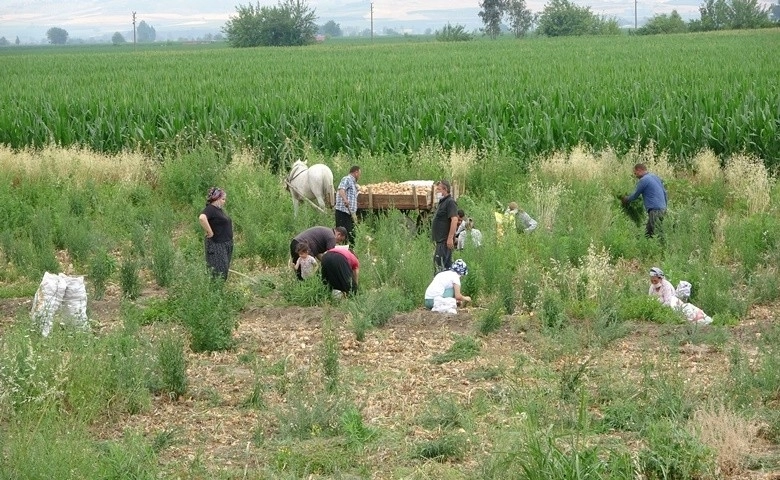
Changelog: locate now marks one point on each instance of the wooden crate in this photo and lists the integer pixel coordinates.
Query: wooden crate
(421, 198)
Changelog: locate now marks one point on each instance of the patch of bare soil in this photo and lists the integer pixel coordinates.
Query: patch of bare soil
(389, 375)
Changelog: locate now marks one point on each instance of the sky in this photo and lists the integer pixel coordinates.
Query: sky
(171, 19)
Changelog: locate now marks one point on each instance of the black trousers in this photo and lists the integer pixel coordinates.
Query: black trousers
(336, 273)
(345, 220)
(654, 220)
(442, 258)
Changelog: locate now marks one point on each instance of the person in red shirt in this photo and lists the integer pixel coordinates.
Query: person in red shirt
(339, 268)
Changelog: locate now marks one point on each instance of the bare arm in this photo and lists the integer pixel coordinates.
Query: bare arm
(451, 235)
(355, 273)
(458, 296)
(343, 194)
(204, 222)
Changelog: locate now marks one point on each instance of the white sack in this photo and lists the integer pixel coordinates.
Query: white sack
(59, 294)
(445, 305)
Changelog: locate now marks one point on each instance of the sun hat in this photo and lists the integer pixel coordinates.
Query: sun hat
(656, 272)
(460, 268)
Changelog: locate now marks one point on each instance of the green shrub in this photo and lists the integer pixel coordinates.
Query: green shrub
(473, 284)
(375, 308)
(185, 179)
(464, 348)
(310, 416)
(538, 456)
(101, 268)
(354, 428)
(131, 457)
(207, 308)
(444, 412)
(446, 447)
(552, 311)
(648, 308)
(306, 293)
(453, 33)
(172, 365)
(163, 258)
(674, 453)
(75, 235)
(530, 280)
(129, 279)
(490, 320)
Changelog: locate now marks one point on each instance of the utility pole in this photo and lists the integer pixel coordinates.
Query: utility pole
(133, 29)
(372, 21)
(635, 24)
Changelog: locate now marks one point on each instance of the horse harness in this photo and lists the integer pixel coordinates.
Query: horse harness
(292, 177)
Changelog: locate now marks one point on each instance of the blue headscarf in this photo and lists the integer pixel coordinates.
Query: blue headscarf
(460, 268)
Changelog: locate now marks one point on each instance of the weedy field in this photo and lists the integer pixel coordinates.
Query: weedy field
(562, 367)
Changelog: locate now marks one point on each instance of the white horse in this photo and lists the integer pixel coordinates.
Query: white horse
(315, 182)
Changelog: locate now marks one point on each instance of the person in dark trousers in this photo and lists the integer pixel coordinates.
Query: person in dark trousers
(653, 193)
(219, 233)
(346, 203)
(445, 222)
(339, 269)
(319, 240)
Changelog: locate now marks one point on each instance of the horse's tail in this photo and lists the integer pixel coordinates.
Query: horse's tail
(327, 187)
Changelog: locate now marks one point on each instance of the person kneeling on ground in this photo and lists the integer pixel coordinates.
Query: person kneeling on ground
(446, 284)
(522, 221)
(339, 269)
(661, 288)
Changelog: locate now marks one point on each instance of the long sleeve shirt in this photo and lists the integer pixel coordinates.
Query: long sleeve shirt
(652, 190)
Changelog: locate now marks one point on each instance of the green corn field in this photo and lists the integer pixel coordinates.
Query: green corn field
(527, 97)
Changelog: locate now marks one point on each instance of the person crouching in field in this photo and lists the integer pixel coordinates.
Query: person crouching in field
(446, 284)
(661, 288)
(339, 269)
(520, 218)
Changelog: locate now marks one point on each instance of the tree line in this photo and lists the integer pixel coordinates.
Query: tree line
(292, 22)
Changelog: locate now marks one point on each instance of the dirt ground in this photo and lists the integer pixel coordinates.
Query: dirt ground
(389, 375)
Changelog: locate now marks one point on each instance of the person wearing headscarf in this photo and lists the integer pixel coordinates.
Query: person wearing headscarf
(519, 219)
(446, 284)
(219, 233)
(661, 288)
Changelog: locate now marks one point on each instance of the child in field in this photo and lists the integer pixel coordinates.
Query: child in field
(306, 263)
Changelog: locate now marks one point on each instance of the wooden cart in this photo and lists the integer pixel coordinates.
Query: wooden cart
(415, 195)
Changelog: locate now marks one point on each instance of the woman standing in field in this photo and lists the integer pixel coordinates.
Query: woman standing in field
(219, 233)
